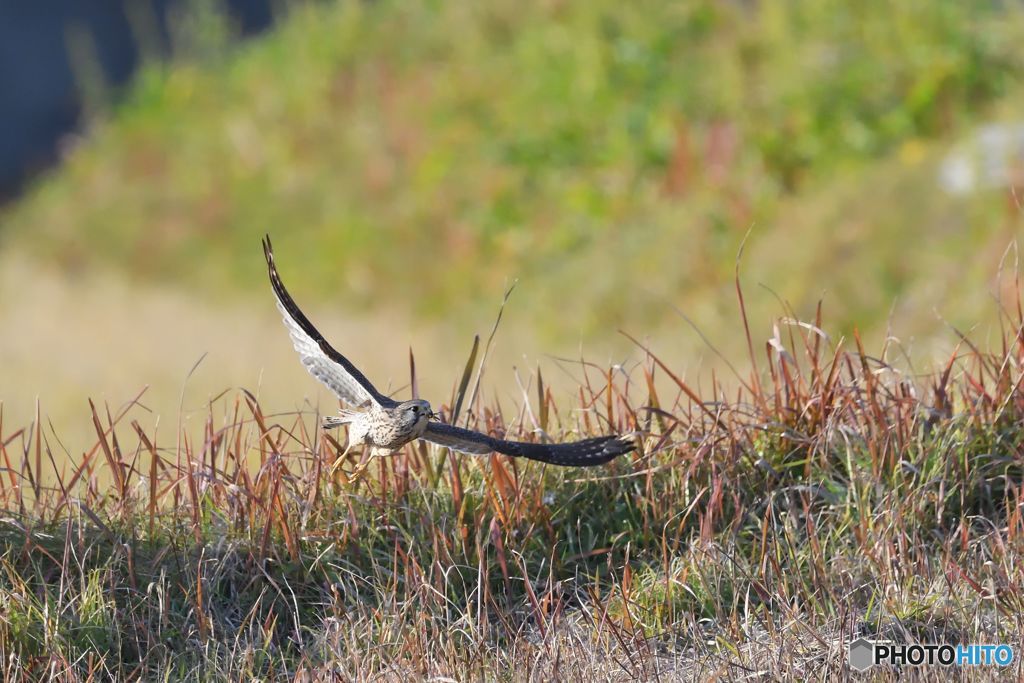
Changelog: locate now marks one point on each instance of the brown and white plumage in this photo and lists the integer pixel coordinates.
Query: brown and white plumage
(385, 425)
(319, 357)
(585, 453)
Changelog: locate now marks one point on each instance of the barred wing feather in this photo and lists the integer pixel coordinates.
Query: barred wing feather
(318, 356)
(585, 453)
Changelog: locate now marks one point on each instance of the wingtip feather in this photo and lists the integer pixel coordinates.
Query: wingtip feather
(268, 252)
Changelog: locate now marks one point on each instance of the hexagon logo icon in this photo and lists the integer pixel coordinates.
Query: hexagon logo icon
(861, 654)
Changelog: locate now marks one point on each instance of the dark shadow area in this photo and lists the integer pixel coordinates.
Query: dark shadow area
(40, 96)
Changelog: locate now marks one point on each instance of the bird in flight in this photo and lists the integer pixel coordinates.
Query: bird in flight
(385, 425)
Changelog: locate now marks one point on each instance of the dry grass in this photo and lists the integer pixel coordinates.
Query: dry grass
(755, 531)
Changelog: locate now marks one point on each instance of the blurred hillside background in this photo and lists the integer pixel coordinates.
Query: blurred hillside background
(412, 159)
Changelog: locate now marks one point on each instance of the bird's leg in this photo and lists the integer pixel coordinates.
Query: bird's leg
(342, 457)
(361, 468)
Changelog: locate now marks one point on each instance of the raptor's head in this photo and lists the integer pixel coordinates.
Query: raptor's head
(417, 411)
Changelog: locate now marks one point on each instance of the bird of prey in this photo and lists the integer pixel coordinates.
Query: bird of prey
(385, 425)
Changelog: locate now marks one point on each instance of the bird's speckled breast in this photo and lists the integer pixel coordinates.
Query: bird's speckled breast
(389, 428)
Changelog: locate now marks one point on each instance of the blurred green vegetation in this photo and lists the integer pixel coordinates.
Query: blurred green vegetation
(421, 154)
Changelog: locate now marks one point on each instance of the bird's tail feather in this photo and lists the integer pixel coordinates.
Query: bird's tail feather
(343, 417)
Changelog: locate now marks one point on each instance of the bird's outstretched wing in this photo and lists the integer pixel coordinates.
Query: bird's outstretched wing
(585, 453)
(319, 357)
